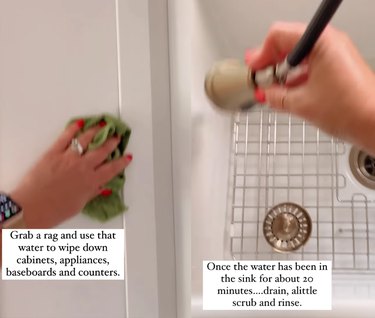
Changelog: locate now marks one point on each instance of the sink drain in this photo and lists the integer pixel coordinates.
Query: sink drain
(362, 166)
(287, 227)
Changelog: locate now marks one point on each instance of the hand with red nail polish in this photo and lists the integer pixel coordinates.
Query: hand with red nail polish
(260, 96)
(105, 192)
(335, 91)
(249, 55)
(80, 123)
(129, 157)
(62, 181)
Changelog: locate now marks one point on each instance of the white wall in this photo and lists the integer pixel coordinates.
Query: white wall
(240, 24)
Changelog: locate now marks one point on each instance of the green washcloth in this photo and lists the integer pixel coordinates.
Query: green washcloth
(105, 208)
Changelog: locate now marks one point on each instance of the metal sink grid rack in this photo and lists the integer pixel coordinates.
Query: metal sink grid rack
(278, 158)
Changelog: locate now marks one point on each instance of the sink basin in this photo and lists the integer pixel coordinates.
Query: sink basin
(278, 159)
(245, 164)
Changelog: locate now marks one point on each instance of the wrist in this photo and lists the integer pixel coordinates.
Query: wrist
(16, 222)
(15, 195)
(34, 208)
(30, 210)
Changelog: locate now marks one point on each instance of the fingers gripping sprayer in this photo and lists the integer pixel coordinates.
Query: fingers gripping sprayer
(230, 84)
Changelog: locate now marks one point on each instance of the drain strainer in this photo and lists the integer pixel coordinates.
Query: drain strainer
(363, 167)
(287, 227)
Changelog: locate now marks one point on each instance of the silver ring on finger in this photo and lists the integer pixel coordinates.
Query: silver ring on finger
(76, 146)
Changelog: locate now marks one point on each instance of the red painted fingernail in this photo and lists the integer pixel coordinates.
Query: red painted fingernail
(102, 123)
(129, 157)
(80, 123)
(260, 95)
(106, 192)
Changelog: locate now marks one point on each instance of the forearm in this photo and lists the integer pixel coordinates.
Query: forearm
(31, 217)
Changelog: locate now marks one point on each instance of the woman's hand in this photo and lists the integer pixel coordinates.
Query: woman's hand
(337, 93)
(62, 181)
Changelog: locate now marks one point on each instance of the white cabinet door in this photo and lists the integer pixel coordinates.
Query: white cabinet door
(58, 59)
